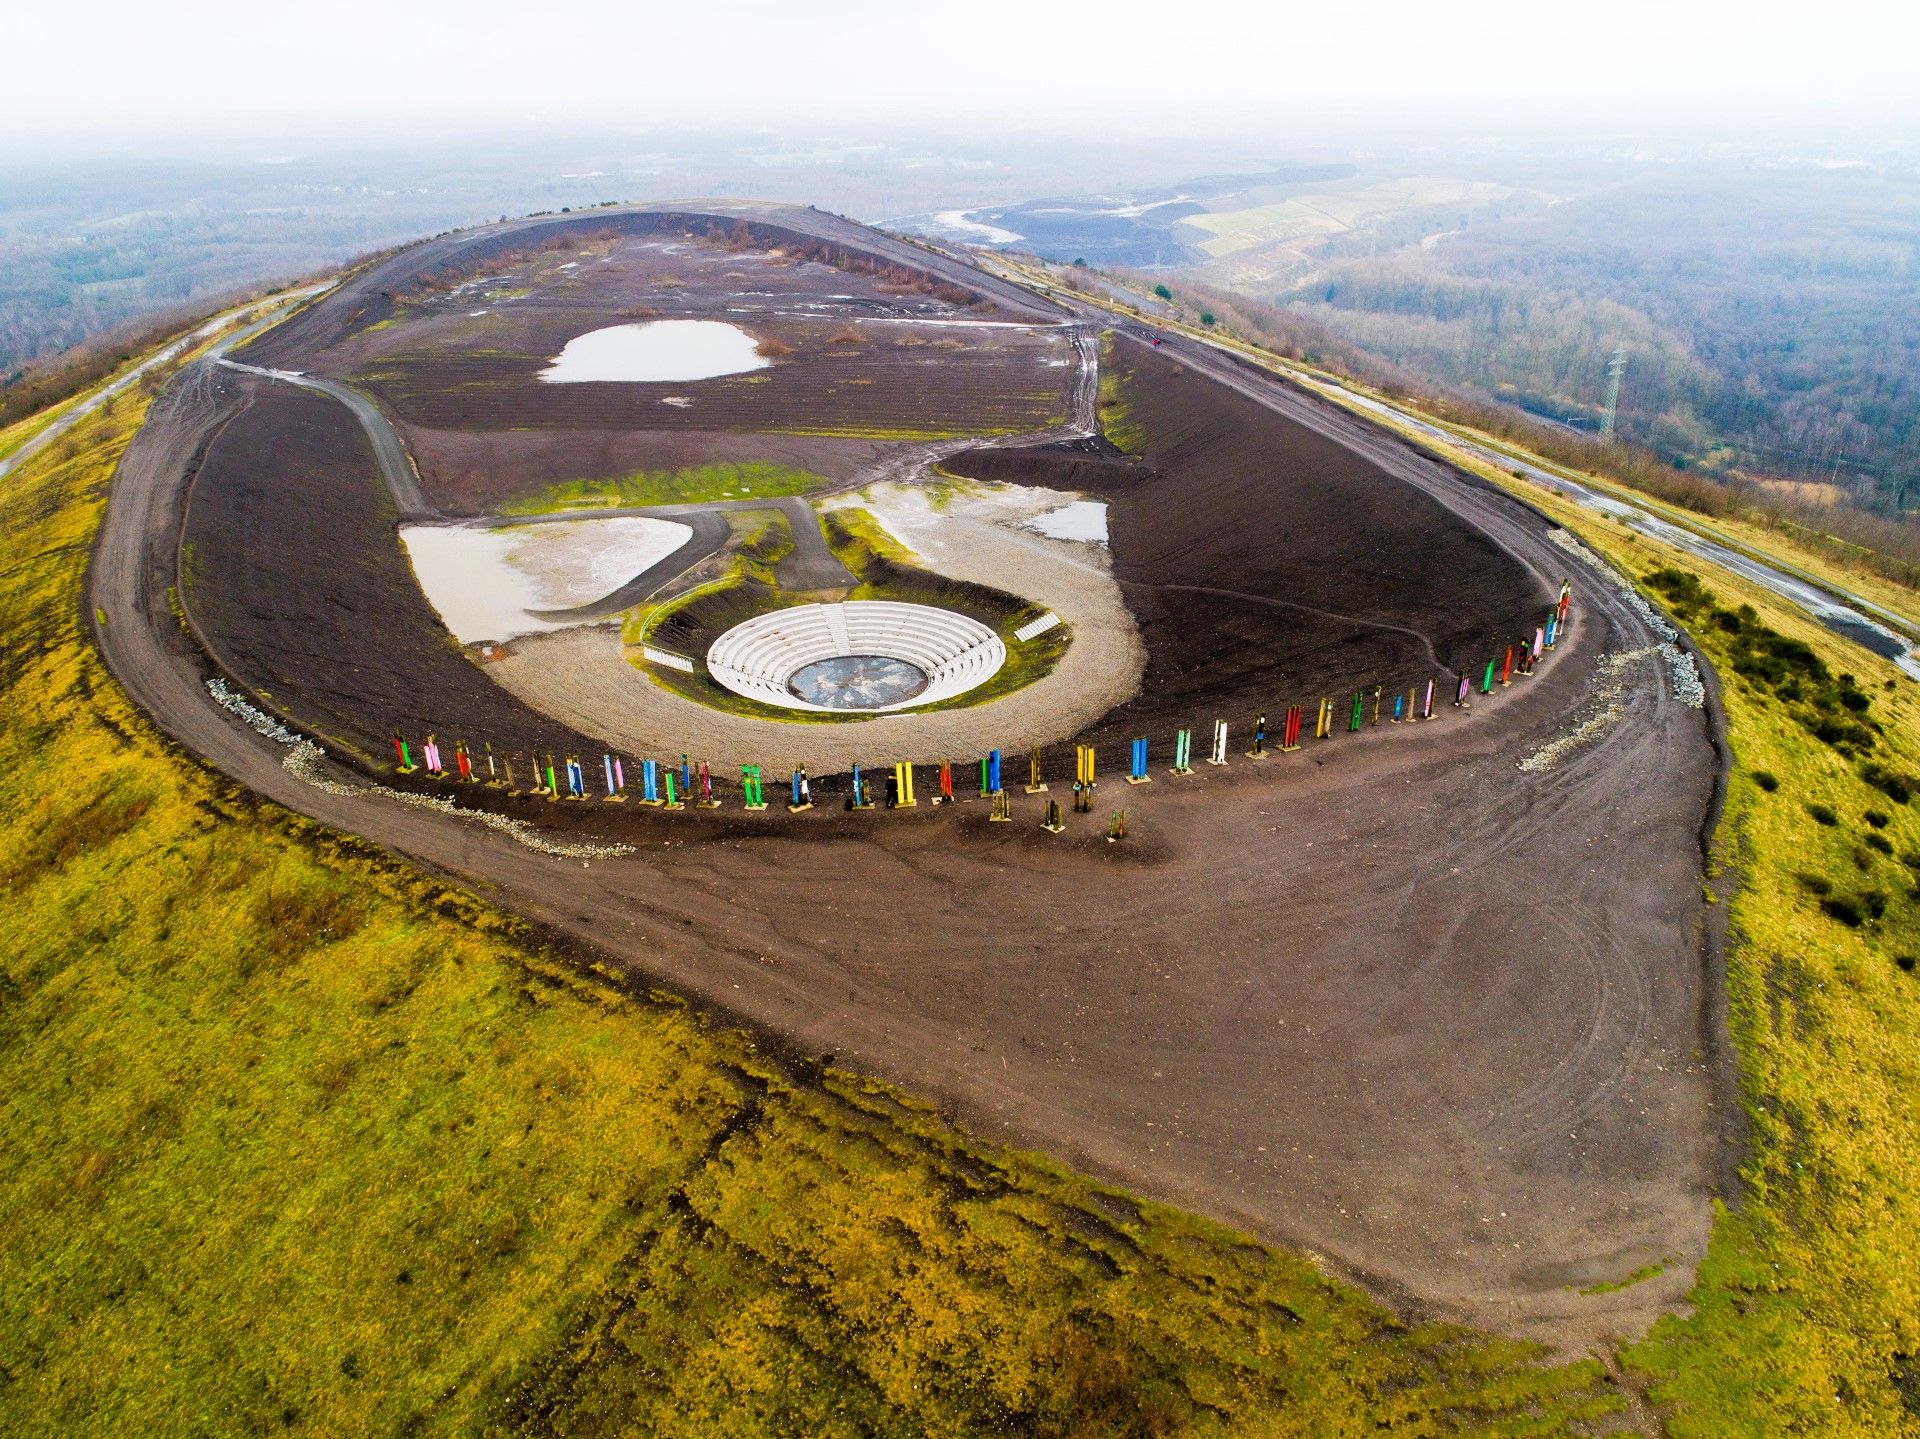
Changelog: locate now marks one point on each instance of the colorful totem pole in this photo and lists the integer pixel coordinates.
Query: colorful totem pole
(463, 762)
(1035, 785)
(1083, 779)
(946, 784)
(1182, 752)
(1053, 824)
(493, 778)
(1290, 730)
(992, 773)
(859, 799)
(802, 792)
(553, 782)
(1486, 680)
(903, 785)
(616, 780)
(506, 767)
(1460, 694)
(1506, 668)
(706, 800)
(576, 778)
(1426, 711)
(1377, 689)
(1137, 770)
(1323, 722)
(1117, 827)
(1259, 750)
(754, 798)
(1219, 755)
(1399, 701)
(672, 801)
(403, 755)
(1357, 714)
(432, 752)
(1002, 808)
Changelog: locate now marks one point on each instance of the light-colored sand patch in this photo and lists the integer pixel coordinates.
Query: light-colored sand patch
(655, 351)
(582, 678)
(484, 583)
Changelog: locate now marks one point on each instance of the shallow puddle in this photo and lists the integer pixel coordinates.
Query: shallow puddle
(655, 351)
(484, 582)
(1079, 520)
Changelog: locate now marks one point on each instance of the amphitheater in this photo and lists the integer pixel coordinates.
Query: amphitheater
(860, 656)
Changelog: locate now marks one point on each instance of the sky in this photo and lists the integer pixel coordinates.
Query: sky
(994, 63)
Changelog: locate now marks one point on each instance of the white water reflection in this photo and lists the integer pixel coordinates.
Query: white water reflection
(483, 582)
(655, 351)
(1084, 520)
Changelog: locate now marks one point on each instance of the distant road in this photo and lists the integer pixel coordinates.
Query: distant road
(80, 410)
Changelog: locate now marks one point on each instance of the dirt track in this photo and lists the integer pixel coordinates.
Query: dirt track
(1449, 1026)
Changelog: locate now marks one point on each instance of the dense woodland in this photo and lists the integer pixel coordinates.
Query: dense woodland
(1770, 315)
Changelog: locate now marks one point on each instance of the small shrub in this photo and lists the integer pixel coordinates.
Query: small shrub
(1844, 908)
(1206, 317)
(772, 348)
(1163, 292)
(1818, 884)
(1894, 785)
(1905, 961)
(1875, 818)
(1823, 814)
(1879, 842)
(1767, 780)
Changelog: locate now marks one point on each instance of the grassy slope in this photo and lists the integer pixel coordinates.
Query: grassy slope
(697, 484)
(299, 1139)
(1805, 1318)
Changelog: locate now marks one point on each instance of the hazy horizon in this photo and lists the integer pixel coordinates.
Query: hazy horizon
(114, 68)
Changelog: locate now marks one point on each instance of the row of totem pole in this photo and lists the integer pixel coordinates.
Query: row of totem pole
(670, 787)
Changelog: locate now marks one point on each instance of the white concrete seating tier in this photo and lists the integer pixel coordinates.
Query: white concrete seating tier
(757, 658)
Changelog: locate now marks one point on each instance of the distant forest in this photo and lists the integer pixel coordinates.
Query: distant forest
(1770, 317)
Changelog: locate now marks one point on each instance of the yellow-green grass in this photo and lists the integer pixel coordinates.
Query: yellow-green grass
(1116, 422)
(301, 1140)
(1807, 1307)
(695, 484)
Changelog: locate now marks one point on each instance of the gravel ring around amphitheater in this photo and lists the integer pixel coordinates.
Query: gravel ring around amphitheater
(581, 677)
